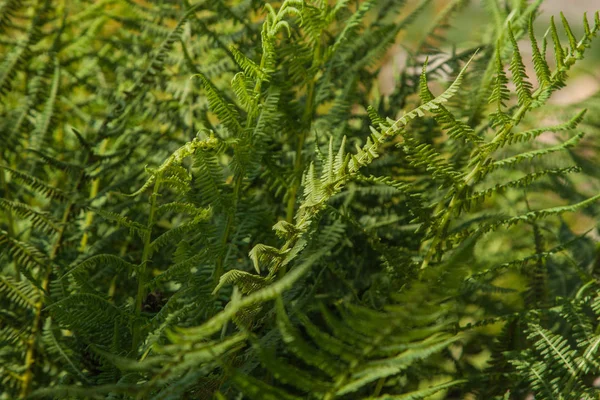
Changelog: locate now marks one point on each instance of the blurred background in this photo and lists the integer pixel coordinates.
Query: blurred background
(470, 24)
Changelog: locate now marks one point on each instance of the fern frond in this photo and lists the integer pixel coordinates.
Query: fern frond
(21, 294)
(291, 375)
(178, 232)
(559, 53)
(434, 103)
(183, 208)
(525, 181)
(258, 390)
(121, 220)
(534, 133)
(8, 9)
(8, 68)
(269, 292)
(569, 32)
(248, 66)
(540, 214)
(426, 156)
(529, 155)
(247, 282)
(311, 355)
(500, 93)
(55, 347)
(241, 87)
(104, 260)
(384, 368)
(263, 255)
(55, 163)
(23, 253)
(350, 28)
(540, 65)
(455, 129)
(47, 116)
(40, 220)
(180, 270)
(422, 393)
(224, 109)
(519, 76)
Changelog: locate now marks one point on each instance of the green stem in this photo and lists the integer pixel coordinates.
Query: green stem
(146, 254)
(306, 124)
(89, 217)
(27, 378)
(9, 217)
(220, 266)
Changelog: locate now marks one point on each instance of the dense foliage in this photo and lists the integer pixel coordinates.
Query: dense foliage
(216, 199)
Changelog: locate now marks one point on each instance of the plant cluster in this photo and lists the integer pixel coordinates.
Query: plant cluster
(214, 199)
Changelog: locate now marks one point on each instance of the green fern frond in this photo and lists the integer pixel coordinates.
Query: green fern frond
(121, 220)
(263, 255)
(180, 270)
(422, 393)
(534, 133)
(291, 375)
(519, 76)
(21, 294)
(500, 93)
(208, 181)
(426, 156)
(540, 64)
(258, 390)
(311, 355)
(247, 282)
(241, 87)
(569, 32)
(55, 347)
(433, 104)
(69, 167)
(248, 66)
(8, 9)
(523, 182)
(455, 129)
(223, 108)
(39, 220)
(104, 260)
(350, 28)
(529, 155)
(8, 68)
(177, 233)
(523, 262)
(23, 253)
(541, 214)
(182, 208)
(47, 116)
(387, 367)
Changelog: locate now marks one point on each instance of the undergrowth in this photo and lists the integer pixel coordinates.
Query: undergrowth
(216, 199)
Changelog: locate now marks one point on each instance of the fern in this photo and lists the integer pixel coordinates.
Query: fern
(296, 199)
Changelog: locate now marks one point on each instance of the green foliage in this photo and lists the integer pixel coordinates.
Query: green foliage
(215, 199)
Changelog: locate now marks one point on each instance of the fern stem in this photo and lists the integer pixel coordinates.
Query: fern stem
(27, 377)
(306, 124)
(219, 269)
(378, 387)
(9, 217)
(89, 217)
(146, 254)
(296, 180)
